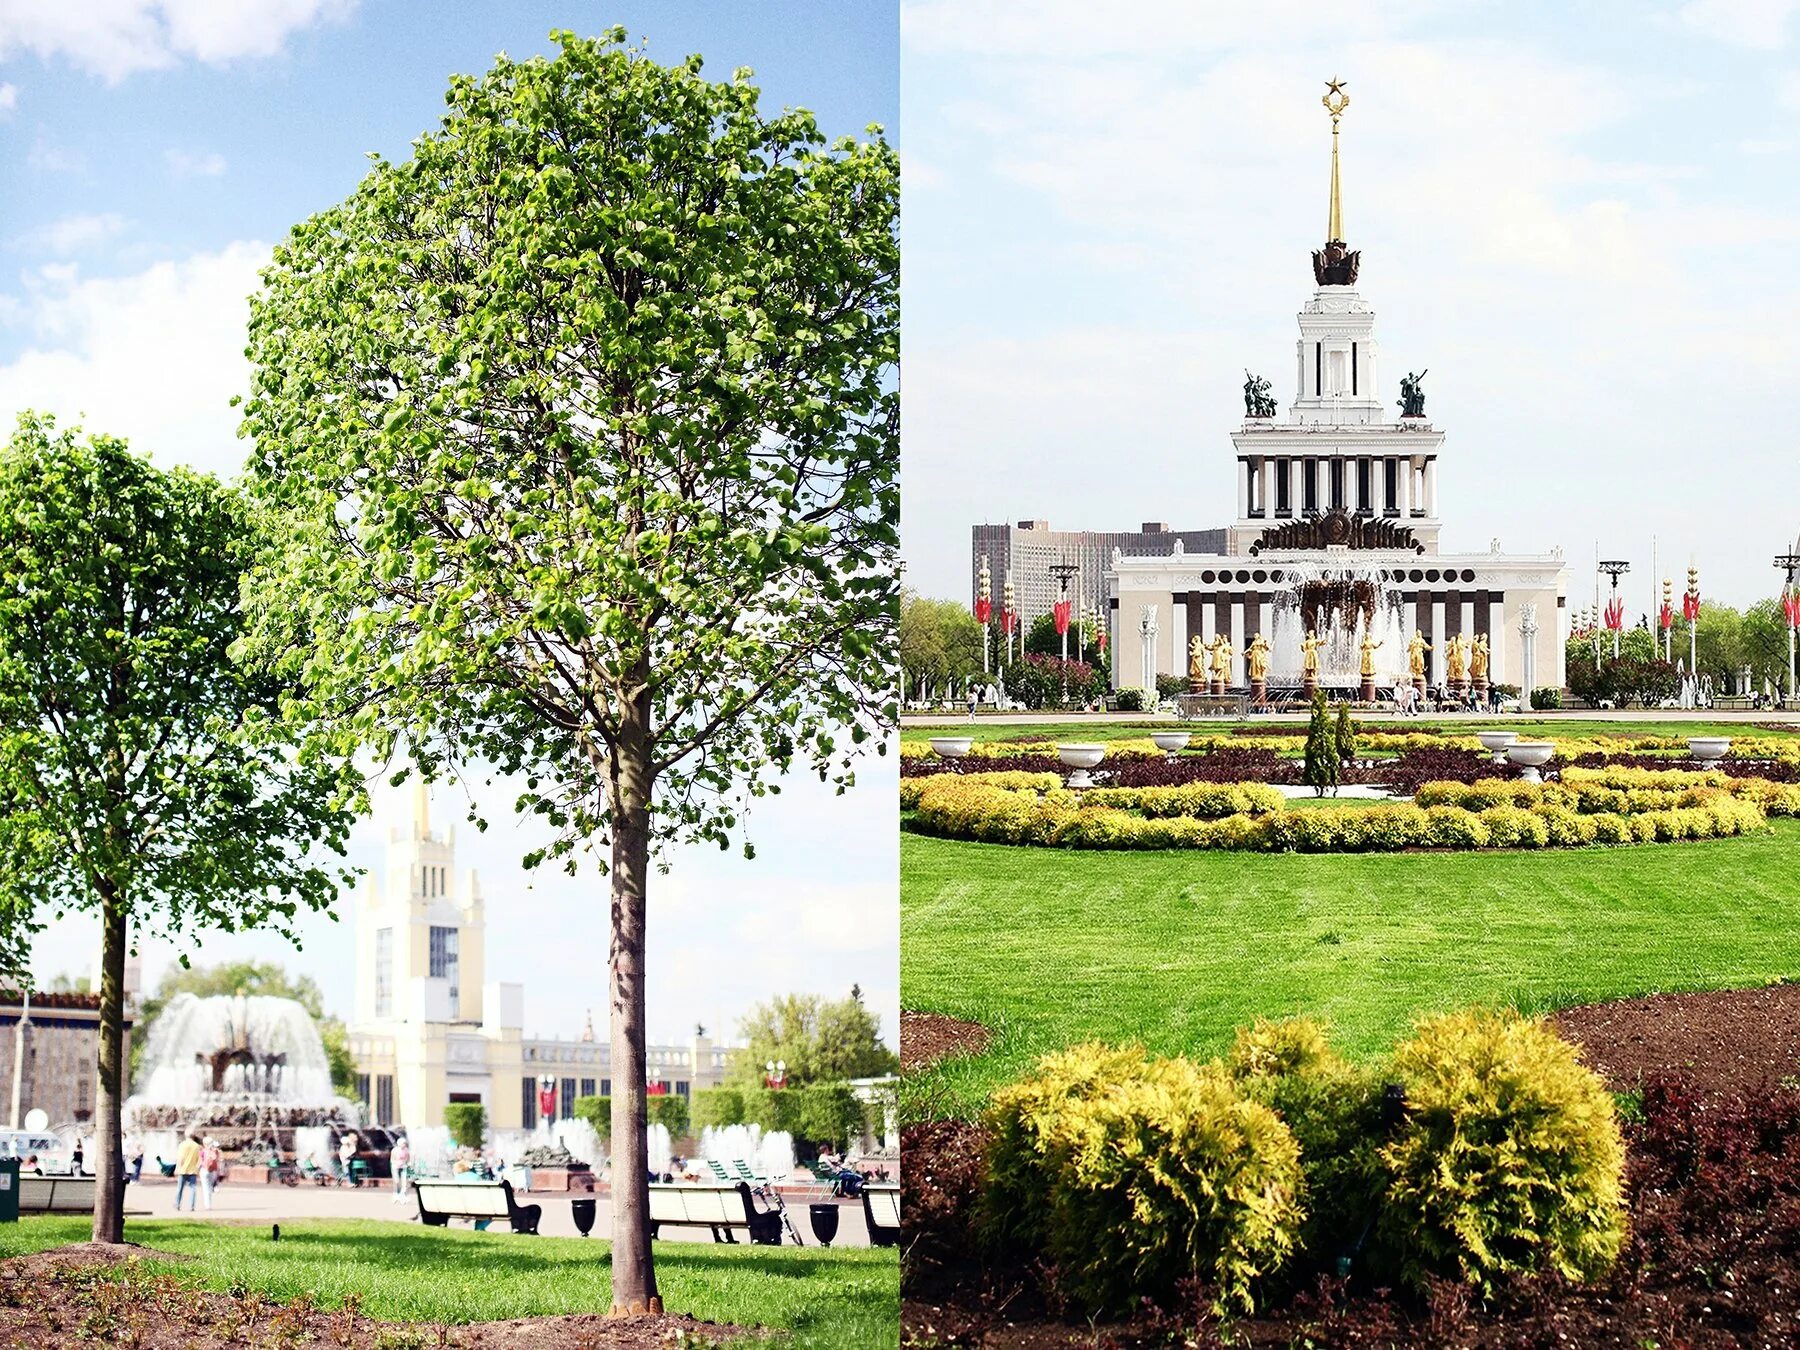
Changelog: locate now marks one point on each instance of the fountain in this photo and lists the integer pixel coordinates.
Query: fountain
(1342, 602)
(768, 1155)
(242, 1067)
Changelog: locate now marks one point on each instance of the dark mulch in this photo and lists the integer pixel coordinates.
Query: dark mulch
(925, 1038)
(1713, 1185)
(1733, 1040)
(99, 1293)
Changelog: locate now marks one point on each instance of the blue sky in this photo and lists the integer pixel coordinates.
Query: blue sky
(1583, 219)
(150, 154)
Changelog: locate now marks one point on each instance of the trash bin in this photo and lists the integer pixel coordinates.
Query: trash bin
(824, 1222)
(9, 1190)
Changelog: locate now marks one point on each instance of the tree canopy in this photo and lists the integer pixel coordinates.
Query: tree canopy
(820, 1040)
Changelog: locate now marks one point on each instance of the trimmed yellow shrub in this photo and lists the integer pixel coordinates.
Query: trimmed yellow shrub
(1508, 1159)
(1131, 1174)
(1291, 1045)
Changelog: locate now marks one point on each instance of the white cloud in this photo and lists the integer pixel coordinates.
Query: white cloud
(154, 357)
(9, 97)
(114, 38)
(188, 164)
(74, 234)
(48, 158)
(1742, 23)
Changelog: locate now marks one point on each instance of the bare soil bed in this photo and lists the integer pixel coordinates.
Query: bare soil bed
(1732, 1040)
(1713, 1184)
(97, 1292)
(925, 1038)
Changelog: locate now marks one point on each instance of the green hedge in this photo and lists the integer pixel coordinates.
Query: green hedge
(671, 1111)
(718, 1106)
(596, 1111)
(467, 1122)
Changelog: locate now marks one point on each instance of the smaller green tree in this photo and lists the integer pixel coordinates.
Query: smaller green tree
(1345, 735)
(467, 1122)
(1321, 770)
(819, 1040)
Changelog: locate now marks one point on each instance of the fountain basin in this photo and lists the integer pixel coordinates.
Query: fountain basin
(1528, 757)
(952, 747)
(1709, 750)
(1171, 743)
(1081, 758)
(1496, 743)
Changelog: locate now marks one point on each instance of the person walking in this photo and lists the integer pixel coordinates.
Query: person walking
(187, 1171)
(398, 1161)
(346, 1156)
(212, 1162)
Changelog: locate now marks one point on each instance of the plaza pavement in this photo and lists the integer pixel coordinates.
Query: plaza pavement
(255, 1203)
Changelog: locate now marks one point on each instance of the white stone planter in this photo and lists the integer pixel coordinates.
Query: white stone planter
(1496, 743)
(1081, 758)
(952, 747)
(1171, 743)
(1528, 757)
(1709, 750)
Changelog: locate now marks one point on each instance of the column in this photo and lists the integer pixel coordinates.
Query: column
(1294, 504)
(1403, 482)
(1434, 660)
(1264, 492)
(1431, 502)
(1496, 631)
(1237, 639)
(1243, 489)
(1468, 619)
(1178, 632)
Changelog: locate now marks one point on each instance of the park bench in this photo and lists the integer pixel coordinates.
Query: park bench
(56, 1195)
(881, 1210)
(721, 1208)
(482, 1201)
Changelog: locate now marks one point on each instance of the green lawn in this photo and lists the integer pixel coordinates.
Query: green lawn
(1177, 949)
(841, 1297)
(1573, 724)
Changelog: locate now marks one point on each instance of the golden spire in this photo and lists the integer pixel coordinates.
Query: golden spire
(1335, 101)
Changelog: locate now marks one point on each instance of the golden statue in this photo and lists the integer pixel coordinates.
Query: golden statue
(1455, 659)
(1478, 660)
(1221, 659)
(1197, 659)
(1258, 655)
(1309, 653)
(1369, 644)
(1416, 648)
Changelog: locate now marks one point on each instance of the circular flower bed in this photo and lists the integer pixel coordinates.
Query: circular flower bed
(1605, 806)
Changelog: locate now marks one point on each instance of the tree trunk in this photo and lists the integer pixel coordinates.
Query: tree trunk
(633, 1270)
(109, 1189)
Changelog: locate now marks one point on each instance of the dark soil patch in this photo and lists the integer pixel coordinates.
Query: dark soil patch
(925, 1038)
(1712, 1260)
(1735, 1040)
(100, 1292)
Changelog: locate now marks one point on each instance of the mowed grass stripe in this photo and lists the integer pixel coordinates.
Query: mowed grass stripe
(1178, 949)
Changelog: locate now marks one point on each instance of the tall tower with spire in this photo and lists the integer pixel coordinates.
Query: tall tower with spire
(1341, 454)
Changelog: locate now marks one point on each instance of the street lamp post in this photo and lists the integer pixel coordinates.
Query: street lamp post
(1009, 616)
(1790, 604)
(1615, 607)
(1690, 610)
(1666, 618)
(1062, 571)
(1527, 653)
(984, 607)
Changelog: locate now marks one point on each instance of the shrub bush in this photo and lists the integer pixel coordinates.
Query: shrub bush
(1130, 700)
(1182, 1173)
(1344, 735)
(467, 1122)
(1321, 770)
(1508, 1158)
(1546, 699)
(670, 1110)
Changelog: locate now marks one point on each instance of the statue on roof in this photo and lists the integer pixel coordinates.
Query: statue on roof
(1259, 396)
(1412, 394)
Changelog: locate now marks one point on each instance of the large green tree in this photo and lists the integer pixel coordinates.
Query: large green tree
(940, 643)
(583, 426)
(141, 772)
(819, 1040)
(250, 977)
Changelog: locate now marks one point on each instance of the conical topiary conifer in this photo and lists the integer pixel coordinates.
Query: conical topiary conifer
(1321, 770)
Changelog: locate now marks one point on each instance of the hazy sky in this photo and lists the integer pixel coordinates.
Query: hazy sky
(150, 153)
(1583, 219)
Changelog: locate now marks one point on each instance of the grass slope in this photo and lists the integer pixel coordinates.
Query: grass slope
(847, 1297)
(1178, 949)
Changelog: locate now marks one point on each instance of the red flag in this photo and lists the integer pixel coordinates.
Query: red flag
(1061, 612)
(1790, 605)
(1690, 605)
(1100, 640)
(983, 609)
(1615, 614)
(1667, 617)
(1008, 621)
